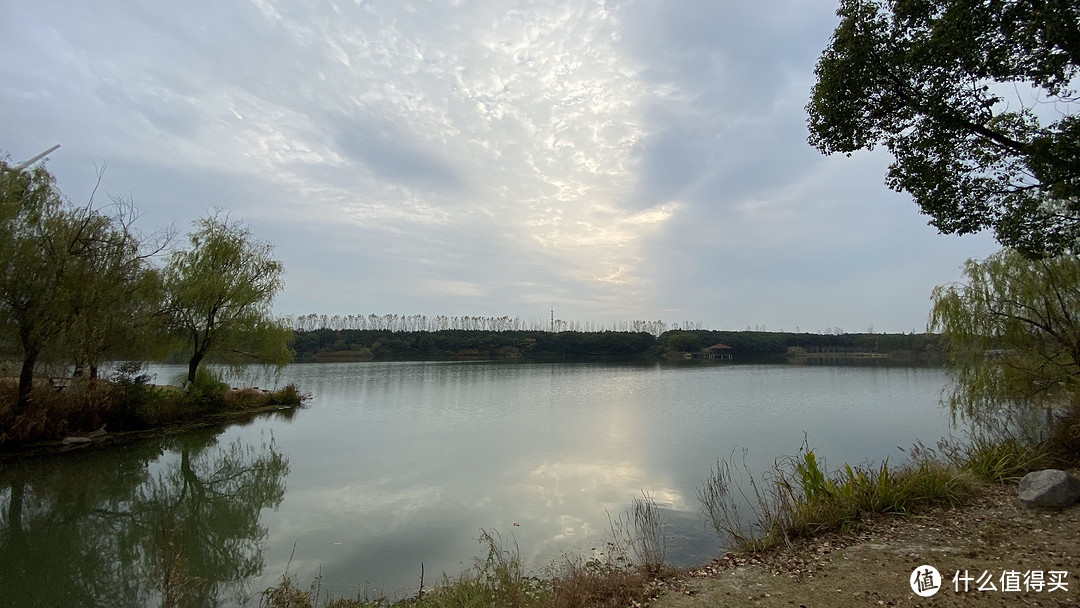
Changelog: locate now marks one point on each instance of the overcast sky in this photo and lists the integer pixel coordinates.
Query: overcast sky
(619, 160)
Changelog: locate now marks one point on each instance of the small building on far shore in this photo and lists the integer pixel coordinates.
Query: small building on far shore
(716, 352)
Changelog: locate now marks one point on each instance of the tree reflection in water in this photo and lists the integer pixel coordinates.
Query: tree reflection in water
(170, 523)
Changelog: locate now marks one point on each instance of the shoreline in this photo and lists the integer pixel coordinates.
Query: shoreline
(56, 447)
(872, 564)
(866, 566)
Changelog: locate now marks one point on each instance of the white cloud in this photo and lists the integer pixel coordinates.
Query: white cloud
(604, 153)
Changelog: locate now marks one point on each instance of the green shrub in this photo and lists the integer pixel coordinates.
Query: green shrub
(932, 482)
(246, 398)
(994, 459)
(207, 391)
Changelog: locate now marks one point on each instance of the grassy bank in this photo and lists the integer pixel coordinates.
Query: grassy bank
(124, 401)
(799, 498)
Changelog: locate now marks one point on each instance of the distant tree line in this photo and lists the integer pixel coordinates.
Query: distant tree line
(455, 343)
(359, 344)
(776, 343)
(410, 323)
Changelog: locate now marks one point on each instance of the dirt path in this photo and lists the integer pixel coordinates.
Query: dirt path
(872, 567)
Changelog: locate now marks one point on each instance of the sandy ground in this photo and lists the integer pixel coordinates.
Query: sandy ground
(872, 567)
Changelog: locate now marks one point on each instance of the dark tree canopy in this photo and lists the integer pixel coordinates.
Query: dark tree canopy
(977, 102)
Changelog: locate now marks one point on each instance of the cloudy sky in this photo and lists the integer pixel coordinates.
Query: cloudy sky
(618, 160)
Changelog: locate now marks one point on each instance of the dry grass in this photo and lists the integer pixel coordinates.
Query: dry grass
(498, 580)
(52, 414)
(582, 584)
(245, 398)
(287, 595)
(253, 398)
(1064, 440)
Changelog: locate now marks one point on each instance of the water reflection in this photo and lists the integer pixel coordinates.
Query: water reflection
(164, 522)
(395, 464)
(398, 464)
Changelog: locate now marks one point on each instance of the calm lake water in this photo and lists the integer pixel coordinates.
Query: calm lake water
(394, 464)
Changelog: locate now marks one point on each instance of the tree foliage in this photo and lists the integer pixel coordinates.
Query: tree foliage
(1012, 331)
(71, 278)
(33, 266)
(683, 341)
(119, 291)
(219, 293)
(976, 102)
(80, 285)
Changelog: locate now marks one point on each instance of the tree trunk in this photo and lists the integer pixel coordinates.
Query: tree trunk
(193, 366)
(26, 375)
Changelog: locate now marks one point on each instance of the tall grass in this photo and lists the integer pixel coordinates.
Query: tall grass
(499, 580)
(637, 537)
(53, 414)
(799, 497)
(287, 595)
(746, 514)
(995, 459)
(649, 542)
(581, 583)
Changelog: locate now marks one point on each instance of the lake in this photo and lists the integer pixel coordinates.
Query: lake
(397, 464)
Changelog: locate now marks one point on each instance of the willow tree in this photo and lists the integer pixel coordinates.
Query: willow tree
(219, 294)
(118, 290)
(56, 263)
(1012, 332)
(36, 240)
(75, 281)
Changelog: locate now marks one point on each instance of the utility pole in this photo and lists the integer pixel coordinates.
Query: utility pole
(552, 319)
